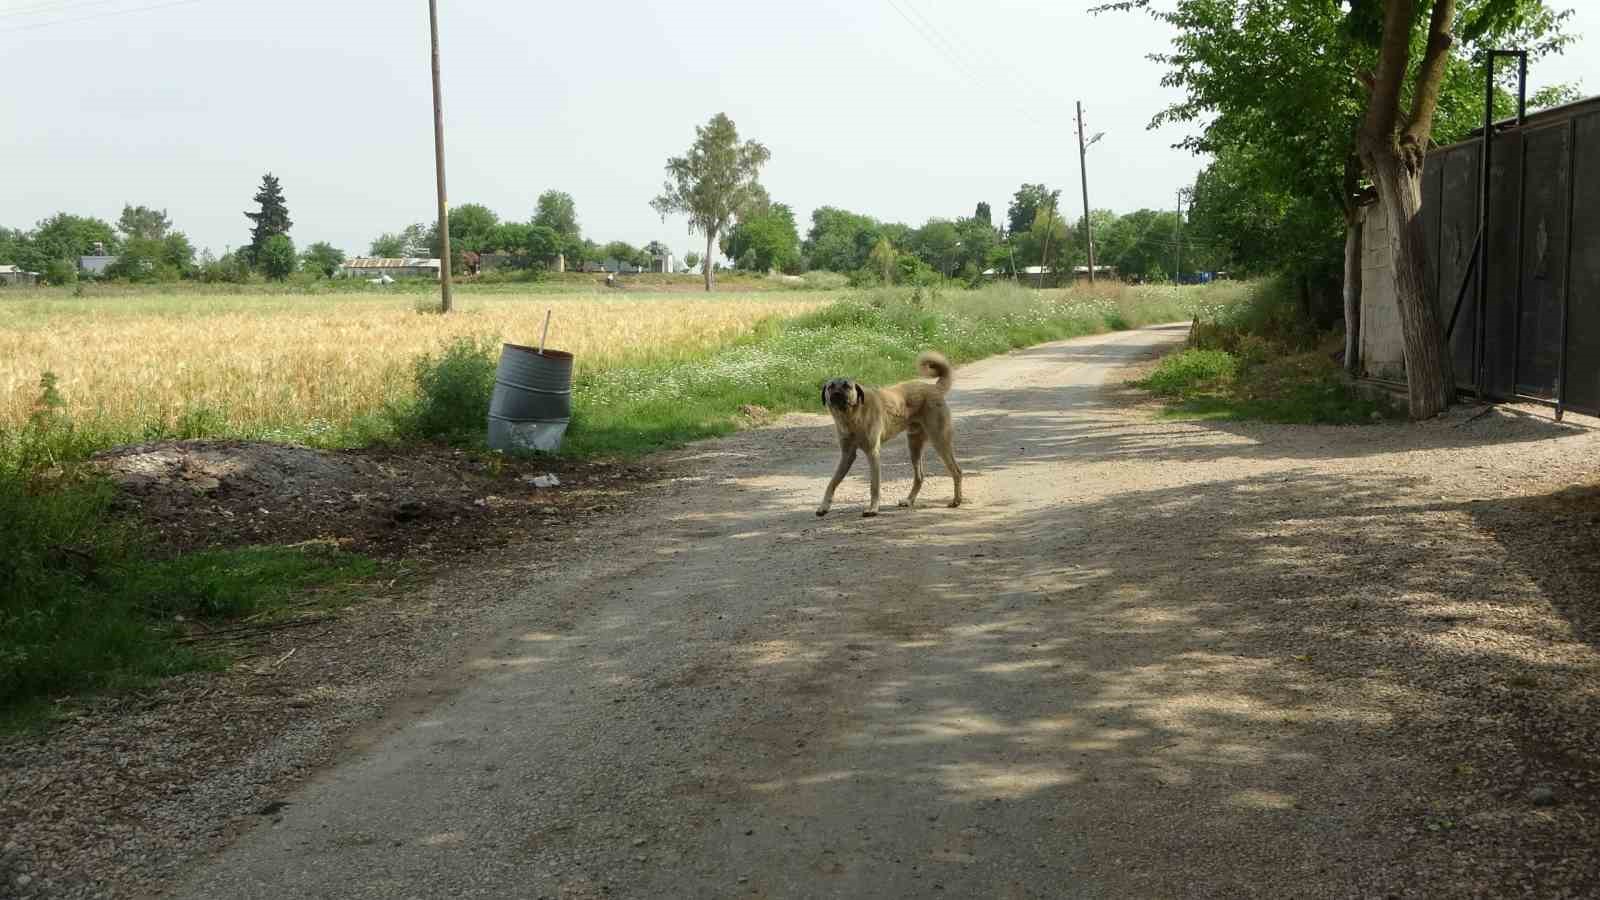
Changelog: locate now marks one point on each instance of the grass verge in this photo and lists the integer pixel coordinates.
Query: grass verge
(1252, 360)
(874, 337)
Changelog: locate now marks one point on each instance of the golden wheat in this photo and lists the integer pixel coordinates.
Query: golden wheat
(294, 365)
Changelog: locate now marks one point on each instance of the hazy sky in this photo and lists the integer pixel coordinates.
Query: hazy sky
(184, 105)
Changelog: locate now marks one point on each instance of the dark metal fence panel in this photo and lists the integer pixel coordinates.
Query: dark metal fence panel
(1505, 199)
(1583, 312)
(1458, 223)
(1543, 260)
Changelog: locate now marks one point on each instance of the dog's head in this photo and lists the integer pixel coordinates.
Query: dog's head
(842, 394)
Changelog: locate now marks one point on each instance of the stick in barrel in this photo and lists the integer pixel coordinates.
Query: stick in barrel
(546, 332)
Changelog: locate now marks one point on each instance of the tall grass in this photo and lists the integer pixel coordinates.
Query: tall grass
(1255, 357)
(874, 336)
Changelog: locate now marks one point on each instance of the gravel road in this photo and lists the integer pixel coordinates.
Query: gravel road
(1147, 659)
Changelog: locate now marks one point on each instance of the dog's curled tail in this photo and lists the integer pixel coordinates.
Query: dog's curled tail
(933, 363)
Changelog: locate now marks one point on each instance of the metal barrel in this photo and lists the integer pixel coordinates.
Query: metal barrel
(532, 401)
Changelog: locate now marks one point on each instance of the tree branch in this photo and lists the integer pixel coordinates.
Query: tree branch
(1430, 78)
(1394, 57)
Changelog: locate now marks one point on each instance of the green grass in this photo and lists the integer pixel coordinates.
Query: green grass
(873, 336)
(84, 606)
(1252, 359)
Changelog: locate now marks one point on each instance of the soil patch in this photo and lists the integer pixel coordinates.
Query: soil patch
(420, 504)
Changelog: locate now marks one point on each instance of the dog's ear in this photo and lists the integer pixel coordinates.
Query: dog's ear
(824, 394)
(861, 395)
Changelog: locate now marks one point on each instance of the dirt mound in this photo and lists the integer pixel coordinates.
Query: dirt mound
(417, 503)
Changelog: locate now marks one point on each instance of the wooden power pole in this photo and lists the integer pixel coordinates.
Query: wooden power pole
(1083, 173)
(438, 158)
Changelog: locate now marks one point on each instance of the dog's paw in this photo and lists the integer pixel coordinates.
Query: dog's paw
(954, 503)
(822, 511)
(868, 513)
(907, 504)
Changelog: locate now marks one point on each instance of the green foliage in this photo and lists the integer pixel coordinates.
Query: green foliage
(1188, 370)
(453, 391)
(270, 220)
(1026, 204)
(83, 605)
(768, 239)
(411, 241)
(61, 237)
(142, 222)
(557, 211)
(472, 229)
(276, 257)
(691, 259)
(1255, 357)
(60, 272)
(840, 240)
(323, 259)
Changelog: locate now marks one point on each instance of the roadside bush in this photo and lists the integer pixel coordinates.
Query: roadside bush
(60, 272)
(1188, 370)
(453, 390)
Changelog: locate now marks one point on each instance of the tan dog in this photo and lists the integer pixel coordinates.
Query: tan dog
(866, 417)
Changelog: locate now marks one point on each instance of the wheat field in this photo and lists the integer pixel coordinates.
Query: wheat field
(296, 367)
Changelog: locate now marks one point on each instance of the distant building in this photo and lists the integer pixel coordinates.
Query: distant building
(95, 265)
(611, 264)
(394, 267)
(14, 275)
(1081, 273)
(664, 263)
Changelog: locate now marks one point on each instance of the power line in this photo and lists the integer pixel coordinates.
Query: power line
(60, 6)
(98, 17)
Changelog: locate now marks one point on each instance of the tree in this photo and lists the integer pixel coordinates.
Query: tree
(937, 244)
(623, 252)
(143, 222)
(472, 228)
(841, 241)
(769, 237)
(276, 257)
(884, 259)
(541, 244)
(982, 214)
(556, 210)
(1025, 205)
(691, 259)
(1313, 93)
(270, 220)
(322, 257)
(716, 181)
(410, 241)
(64, 236)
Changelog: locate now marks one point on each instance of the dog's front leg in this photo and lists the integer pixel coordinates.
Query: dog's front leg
(872, 461)
(847, 458)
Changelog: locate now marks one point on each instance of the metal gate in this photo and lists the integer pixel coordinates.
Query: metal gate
(1532, 332)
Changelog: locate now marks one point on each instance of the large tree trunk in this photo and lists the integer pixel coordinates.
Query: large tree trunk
(1393, 149)
(1352, 292)
(711, 237)
(1430, 380)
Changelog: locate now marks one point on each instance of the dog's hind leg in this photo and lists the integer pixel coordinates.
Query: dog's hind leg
(847, 458)
(872, 461)
(947, 452)
(917, 442)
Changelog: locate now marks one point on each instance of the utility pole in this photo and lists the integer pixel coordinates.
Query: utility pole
(1177, 271)
(438, 157)
(1083, 172)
